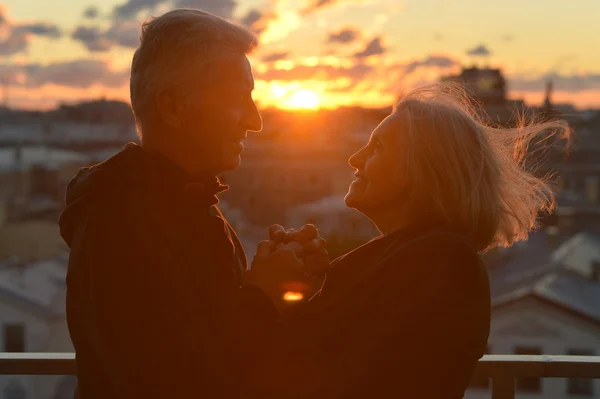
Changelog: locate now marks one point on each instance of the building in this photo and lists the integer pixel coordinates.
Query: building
(545, 300)
(32, 319)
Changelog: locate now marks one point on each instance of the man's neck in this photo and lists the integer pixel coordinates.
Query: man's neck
(176, 156)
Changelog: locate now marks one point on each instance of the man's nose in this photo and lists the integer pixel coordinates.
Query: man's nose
(252, 120)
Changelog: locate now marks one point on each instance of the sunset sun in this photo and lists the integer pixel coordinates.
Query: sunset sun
(306, 99)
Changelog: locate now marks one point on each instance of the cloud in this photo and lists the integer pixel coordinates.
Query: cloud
(437, 61)
(508, 38)
(276, 56)
(438, 37)
(41, 29)
(319, 71)
(480, 50)
(374, 47)
(316, 5)
(16, 36)
(345, 35)
(124, 33)
(91, 12)
(92, 38)
(81, 73)
(562, 82)
(258, 21)
(130, 9)
(221, 8)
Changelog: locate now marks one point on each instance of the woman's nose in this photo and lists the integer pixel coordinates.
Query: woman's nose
(356, 160)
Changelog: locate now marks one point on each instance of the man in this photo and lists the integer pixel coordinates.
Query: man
(159, 302)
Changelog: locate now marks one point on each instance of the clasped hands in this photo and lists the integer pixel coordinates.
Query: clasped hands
(289, 262)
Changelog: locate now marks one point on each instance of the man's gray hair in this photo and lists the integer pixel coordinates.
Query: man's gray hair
(174, 44)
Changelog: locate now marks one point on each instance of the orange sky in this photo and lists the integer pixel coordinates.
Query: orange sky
(344, 52)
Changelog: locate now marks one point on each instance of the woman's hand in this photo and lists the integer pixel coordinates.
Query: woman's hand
(287, 266)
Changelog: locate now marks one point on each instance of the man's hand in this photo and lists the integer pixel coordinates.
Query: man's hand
(313, 246)
(277, 272)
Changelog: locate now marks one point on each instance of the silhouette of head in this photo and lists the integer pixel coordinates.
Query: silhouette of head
(433, 159)
(191, 90)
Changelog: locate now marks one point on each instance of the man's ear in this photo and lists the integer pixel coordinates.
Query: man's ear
(170, 109)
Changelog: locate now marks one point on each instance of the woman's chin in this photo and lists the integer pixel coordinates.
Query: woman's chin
(352, 200)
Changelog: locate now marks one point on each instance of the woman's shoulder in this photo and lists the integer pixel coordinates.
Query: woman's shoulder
(440, 252)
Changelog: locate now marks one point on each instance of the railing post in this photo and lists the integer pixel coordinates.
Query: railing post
(503, 386)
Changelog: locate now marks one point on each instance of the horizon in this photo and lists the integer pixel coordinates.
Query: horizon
(312, 53)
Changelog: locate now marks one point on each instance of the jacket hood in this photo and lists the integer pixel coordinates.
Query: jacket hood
(129, 170)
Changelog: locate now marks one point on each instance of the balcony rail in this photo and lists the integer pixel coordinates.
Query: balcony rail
(501, 369)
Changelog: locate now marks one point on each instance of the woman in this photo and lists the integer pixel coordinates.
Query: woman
(408, 314)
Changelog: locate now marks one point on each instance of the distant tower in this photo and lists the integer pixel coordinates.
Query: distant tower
(5, 91)
(548, 99)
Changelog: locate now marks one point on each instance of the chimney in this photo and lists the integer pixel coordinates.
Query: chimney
(552, 233)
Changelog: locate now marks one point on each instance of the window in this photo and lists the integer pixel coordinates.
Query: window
(14, 390)
(580, 386)
(528, 384)
(14, 338)
(482, 382)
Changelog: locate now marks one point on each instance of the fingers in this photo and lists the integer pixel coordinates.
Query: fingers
(295, 247)
(317, 263)
(306, 233)
(264, 248)
(314, 245)
(276, 233)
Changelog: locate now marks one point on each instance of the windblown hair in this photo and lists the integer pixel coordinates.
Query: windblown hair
(176, 46)
(471, 174)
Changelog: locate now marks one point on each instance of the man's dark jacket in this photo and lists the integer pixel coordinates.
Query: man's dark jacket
(155, 307)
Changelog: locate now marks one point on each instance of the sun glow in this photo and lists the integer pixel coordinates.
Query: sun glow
(305, 99)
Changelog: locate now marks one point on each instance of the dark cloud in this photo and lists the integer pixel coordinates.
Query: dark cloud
(124, 33)
(76, 74)
(91, 12)
(258, 21)
(480, 50)
(129, 9)
(92, 38)
(16, 42)
(374, 47)
(276, 56)
(322, 72)
(315, 5)
(41, 29)
(437, 61)
(17, 36)
(567, 83)
(345, 35)
(221, 8)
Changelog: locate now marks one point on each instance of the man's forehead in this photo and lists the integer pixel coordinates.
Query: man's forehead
(239, 69)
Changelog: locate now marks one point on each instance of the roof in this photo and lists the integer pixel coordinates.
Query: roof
(40, 286)
(37, 155)
(560, 277)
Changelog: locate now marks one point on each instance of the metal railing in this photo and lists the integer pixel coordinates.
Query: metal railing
(501, 369)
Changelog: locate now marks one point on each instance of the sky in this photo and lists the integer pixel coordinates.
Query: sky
(325, 53)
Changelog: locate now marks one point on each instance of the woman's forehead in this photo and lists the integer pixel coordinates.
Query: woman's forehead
(387, 130)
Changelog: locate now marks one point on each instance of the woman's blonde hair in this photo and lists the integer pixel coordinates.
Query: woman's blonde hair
(470, 173)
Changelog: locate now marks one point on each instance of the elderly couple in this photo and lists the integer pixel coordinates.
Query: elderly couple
(161, 303)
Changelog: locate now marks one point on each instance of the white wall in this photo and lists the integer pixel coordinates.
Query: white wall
(531, 323)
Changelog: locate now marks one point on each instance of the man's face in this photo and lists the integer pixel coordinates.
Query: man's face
(219, 116)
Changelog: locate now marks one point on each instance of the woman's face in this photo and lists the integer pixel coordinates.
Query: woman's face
(376, 185)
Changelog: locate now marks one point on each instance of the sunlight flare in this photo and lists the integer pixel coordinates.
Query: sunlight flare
(305, 99)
